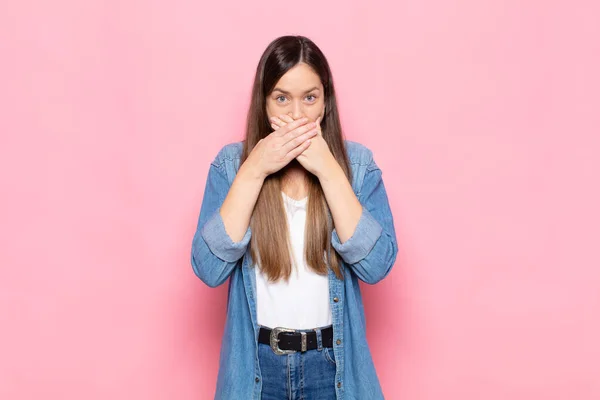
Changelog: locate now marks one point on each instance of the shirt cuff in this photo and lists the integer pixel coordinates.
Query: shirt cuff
(362, 241)
(220, 243)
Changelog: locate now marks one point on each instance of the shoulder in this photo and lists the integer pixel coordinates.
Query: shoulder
(358, 153)
(230, 152)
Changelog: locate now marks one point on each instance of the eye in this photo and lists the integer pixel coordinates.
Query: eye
(313, 96)
(278, 97)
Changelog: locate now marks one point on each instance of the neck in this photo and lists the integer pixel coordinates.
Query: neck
(293, 182)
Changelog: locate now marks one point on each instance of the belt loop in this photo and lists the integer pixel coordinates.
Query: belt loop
(319, 339)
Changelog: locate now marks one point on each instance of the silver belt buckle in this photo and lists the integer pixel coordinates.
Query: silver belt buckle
(274, 340)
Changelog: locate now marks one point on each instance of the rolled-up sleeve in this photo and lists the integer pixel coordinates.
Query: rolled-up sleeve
(366, 234)
(220, 243)
(372, 249)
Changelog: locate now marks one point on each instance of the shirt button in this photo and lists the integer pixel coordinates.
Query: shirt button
(256, 379)
(336, 299)
(339, 384)
(338, 341)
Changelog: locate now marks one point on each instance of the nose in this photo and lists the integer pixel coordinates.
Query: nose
(297, 111)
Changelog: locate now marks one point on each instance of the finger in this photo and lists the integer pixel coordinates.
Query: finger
(288, 127)
(298, 141)
(294, 133)
(277, 121)
(286, 118)
(297, 150)
(274, 126)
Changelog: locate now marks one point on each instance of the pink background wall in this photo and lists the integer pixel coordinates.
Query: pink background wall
(484, 117)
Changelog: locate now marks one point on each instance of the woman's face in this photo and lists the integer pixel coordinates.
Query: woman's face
(298, 93)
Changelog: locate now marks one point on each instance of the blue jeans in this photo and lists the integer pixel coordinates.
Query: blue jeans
(298, 376)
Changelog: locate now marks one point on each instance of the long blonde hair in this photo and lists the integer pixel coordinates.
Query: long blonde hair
(269, 222)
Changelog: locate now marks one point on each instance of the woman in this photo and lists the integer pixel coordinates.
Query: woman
(294, 216)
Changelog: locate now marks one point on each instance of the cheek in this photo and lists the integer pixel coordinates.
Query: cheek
(316, 112)
(272, 105)
(270, 110)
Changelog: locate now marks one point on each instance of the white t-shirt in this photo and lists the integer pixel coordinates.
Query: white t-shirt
(303, 302)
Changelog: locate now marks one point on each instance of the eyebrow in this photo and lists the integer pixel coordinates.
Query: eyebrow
(286, 92)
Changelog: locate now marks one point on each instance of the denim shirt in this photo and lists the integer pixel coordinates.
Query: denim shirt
(367, 256)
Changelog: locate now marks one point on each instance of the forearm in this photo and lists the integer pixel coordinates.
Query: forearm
(239, 203)
(343, 204)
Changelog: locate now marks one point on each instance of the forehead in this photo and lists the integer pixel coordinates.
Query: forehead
(299, 79)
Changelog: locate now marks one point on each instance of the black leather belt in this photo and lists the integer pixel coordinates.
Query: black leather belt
(285, 341)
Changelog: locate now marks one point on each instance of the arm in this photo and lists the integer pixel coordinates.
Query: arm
(366, 227)
(223, 230)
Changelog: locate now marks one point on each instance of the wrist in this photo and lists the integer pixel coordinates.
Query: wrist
(251, 172)
(331, 171)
